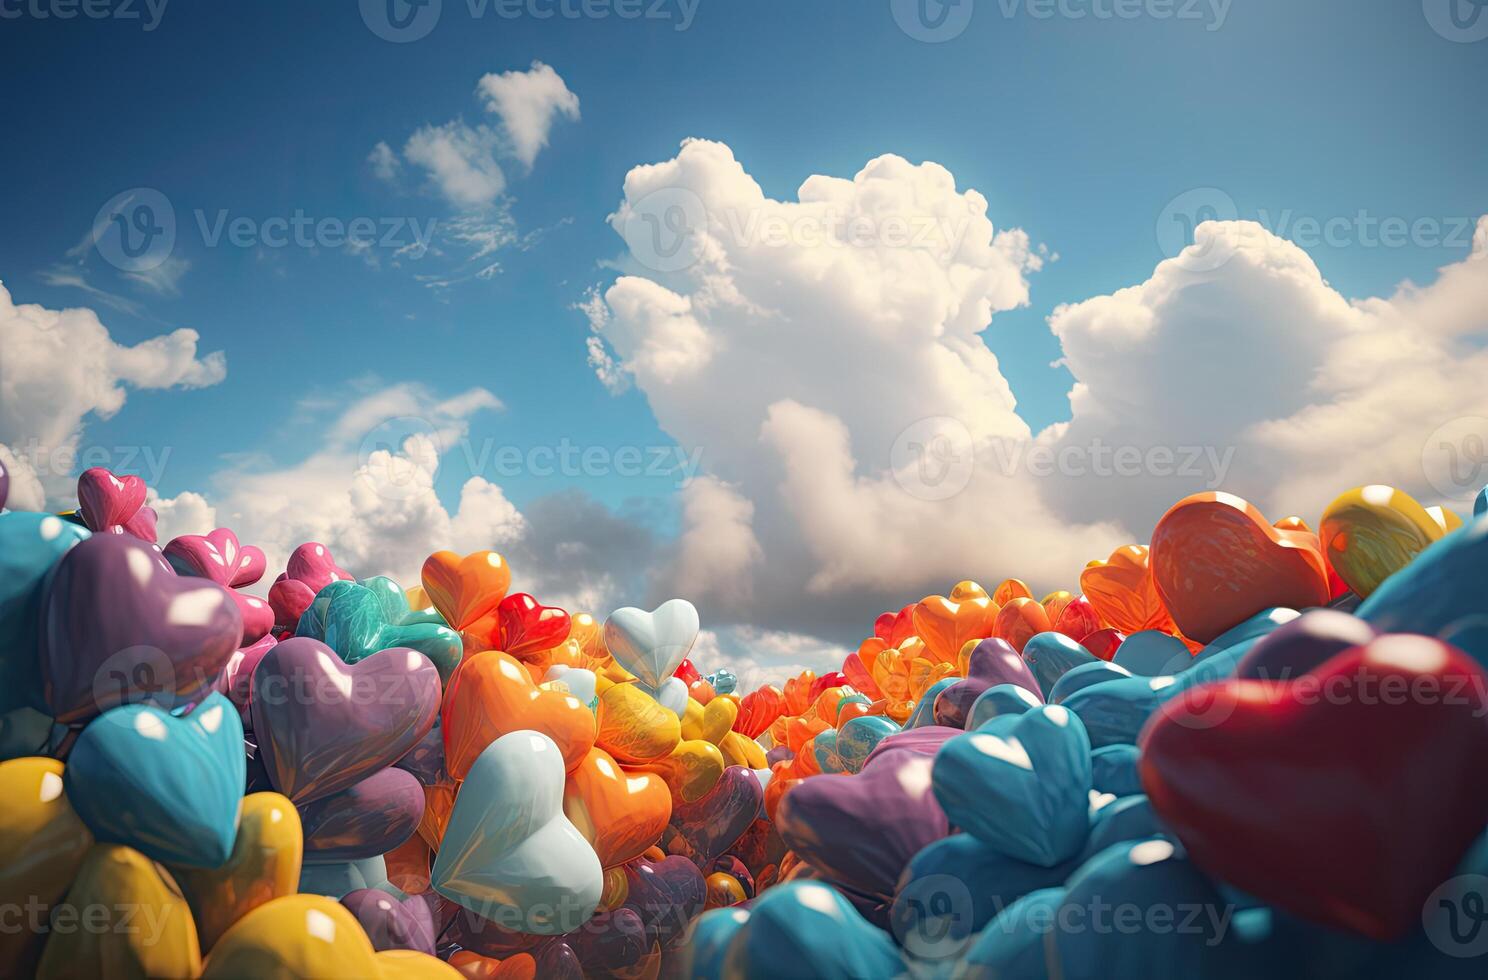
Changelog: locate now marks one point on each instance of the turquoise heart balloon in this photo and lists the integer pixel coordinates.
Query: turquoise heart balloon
(508, 853)
(1012, 945)
(1113, 769)
(705, 953)
(357, 619)
(924, 710)
(169, 787)
(1020, 784)
(30, 544)
(1052, 655)
(824, 748)
(1151, 653)
(859, 736)
(1086, 675)
(806, 929)
(999, 700)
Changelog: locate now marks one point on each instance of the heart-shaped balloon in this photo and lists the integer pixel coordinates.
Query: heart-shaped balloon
(758, 710)
(1051, 655)
(528, 626)
(1077, 619)
(1087, 675)
(782, 936)
(116, 892)
(1370, 533)
(119, 626)
(464, 589)
(108, 503)
(1001, 700)
(991, 662)
(365, 820)
(42, 845)
(30, 545)
(1123, 592)
(858, 737)
(666, 894)
(264, 865)
(1439, 594)
(324, 725)
(357, 619)
(1021, 785)
(947, 623)
(1152, 654)
(690, 770)
(651, 644)
(310, 568)
(491, 695)
(218, 556)
(578, 681)
(1303, 644)
(294, 936)
(1020, 621)
(236, 680)
(1365, 862)
(1216, 562)
(169, 787)
(633, 727)
(703, 830)
(890, 806)
(620, 813)
(392, 923)
(508, 852)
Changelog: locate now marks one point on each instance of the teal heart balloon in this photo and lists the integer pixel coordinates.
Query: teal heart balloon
(824, 748)
(169, 787)
(30, 544)
(1012, 945)
(806, 929)
(1086, 675)
(1151, 653)
(859, 736)
(999, 700)
(357, 619)
(508, 853)
(705, 952)
(924, 710)
(1020, 784)
(1051, 655)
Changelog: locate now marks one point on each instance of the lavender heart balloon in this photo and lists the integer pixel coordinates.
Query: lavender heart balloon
(368, 819)
(119, 626)
(324, 725)
(390, 922)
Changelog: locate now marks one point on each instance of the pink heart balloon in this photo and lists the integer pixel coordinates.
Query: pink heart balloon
(109, 503)
(218, 556)
(309, 569)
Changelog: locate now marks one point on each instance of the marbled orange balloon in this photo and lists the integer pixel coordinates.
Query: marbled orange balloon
(1010, 589)
(620, 813)
(758, 710)
(798, 692)
(1123, 592)
(945, 623)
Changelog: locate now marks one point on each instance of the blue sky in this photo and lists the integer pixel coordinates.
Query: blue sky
(1079, 131)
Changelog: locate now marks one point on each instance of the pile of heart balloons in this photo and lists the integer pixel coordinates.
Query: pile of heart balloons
(1240, 749)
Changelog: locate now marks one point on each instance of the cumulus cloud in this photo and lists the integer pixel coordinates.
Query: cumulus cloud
(60, 368)
(460, 162)
(528, 103)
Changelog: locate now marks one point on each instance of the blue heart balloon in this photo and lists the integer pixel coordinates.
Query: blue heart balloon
(1020, 784)
(1440, 592)
(998, 701)
(1086, 675)
(1480, 505)
(169, 787)
(1151, 653)
(1052, 655)
(807, 929)
(723, 681)
(705, 953)
(1012, 945)
(1113, 769)
(1139, 909)
(30, 545)
(336, 880)
(1114, 712)
(1124, 819)
(924, 711)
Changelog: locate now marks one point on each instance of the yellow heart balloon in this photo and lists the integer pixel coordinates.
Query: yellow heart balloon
(693, 768)
(408, 964)
(712, 722)
(633, 727)
(295, 936)
(1370, 533)
(42, 845)
(122, 917)
(265, 865)
(738, 750)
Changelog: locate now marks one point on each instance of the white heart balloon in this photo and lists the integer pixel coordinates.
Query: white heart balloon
(651, 645)
(509, 854)
(672, 694)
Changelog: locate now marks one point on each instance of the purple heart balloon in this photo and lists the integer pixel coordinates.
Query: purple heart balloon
(610, 942)
(368, 819)
(324, 725)
(218, 556)
(861, 831)
(119, 627)
(992, 662)
(925, 740)
(703, 830)
(392, 923)
(666, 894)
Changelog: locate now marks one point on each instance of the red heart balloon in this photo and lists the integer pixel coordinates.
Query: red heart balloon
(528, 626)
(107, 502)
(758, 711)
(895, 627)
(1345, 796)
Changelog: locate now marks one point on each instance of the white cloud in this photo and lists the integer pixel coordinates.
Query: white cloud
(59, 368)
(763, 656)
(384, 162)
(718, 552)
(460, 162)
(528, 103)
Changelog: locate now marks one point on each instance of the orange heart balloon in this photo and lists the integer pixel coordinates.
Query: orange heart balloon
(1216, 562)
(858, 667)
(798, 692)
(691, 770)
(945, 624)
(723, 890)
(491, 695)
(1021, 620)
(264, 864)
(439, 801)
(473, 966)
(633, 727)
(1010, 589)
(42, 845)
(701, 691)
(588, 632)
(465, 589)
(1123, 593)
(620, 813)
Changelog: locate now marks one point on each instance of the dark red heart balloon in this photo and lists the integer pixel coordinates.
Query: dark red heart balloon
(528, 626)
(1345, 796)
